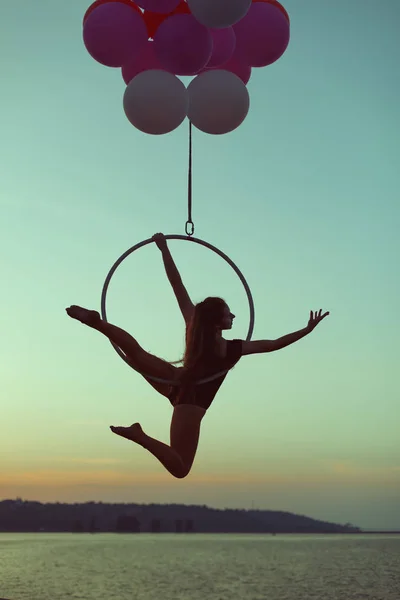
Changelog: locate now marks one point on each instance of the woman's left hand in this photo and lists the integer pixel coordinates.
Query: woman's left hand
(316, 318)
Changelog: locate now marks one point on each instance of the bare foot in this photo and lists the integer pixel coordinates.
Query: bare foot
(134, 433)
(85, 316)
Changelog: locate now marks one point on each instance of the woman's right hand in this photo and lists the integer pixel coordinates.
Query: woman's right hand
(160, 240)
(315, 318)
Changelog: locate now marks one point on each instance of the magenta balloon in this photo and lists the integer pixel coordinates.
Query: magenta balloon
(144, 61)
(183, 45)
(224, 42)
(113, 33)
(262, 36)
(158, 6)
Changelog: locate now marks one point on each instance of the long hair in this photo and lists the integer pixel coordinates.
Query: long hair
(200, 334)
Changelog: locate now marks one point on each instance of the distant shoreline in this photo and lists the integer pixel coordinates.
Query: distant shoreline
(274, 534)
(24, 516)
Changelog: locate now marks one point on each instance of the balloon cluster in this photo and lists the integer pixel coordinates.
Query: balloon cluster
(155, 41)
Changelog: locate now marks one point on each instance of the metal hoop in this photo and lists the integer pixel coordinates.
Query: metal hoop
(196, 241)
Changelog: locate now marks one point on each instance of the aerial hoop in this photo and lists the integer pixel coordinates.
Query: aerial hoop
(196, 241)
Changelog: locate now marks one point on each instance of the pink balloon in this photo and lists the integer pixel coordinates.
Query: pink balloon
(144, 61)
(218, 101)
(262, 36)
(158, 6)
(224, 42)
(183, 45)
(113, 33)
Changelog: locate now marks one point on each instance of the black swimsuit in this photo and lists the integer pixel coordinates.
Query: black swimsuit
(203, 394)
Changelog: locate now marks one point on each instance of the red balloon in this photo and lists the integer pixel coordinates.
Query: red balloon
(278, 5)
(100, 2)
(236, 66)
(145, 60)
(153, 20)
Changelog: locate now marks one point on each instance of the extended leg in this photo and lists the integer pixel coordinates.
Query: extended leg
(138, 358)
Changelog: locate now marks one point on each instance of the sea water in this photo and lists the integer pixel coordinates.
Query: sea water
(199, 567)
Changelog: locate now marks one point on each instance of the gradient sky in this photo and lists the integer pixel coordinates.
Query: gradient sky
(303, 196)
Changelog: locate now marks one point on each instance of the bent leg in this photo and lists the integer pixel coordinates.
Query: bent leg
(168, 457)
(185, 431)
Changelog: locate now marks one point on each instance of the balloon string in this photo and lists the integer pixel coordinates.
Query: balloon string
(189, 227)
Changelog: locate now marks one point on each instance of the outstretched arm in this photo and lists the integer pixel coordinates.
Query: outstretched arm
(183, 298)
(259, 346)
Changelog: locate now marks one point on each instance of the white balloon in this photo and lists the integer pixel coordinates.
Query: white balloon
(219, 13)
(218, 101)
(156, 102)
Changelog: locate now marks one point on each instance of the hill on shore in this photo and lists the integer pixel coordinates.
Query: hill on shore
(29, 516)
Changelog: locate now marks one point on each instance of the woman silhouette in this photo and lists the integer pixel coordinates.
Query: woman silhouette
(206, 353)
